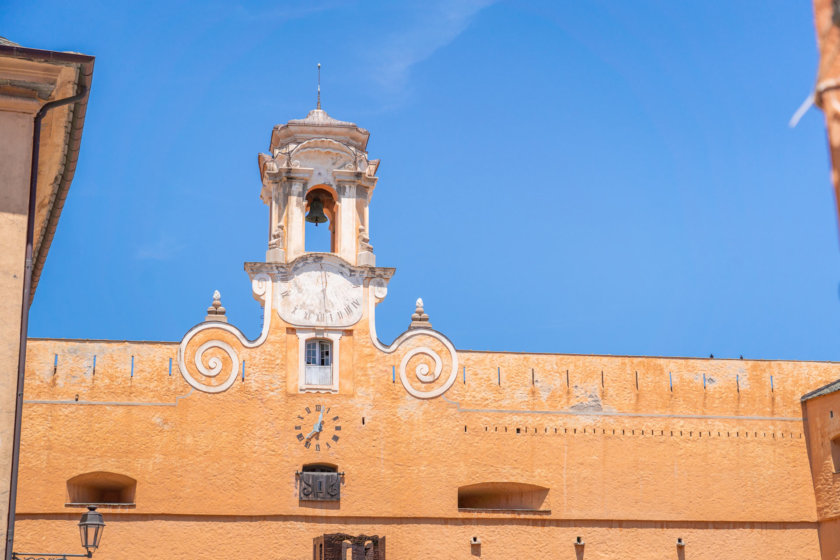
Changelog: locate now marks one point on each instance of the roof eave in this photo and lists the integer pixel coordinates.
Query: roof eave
(84, 64)
(832, 387)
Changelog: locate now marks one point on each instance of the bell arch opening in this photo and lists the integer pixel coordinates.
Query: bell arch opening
(321, 211)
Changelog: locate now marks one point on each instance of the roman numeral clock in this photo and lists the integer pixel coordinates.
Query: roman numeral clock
(321, 293)
(317, 428)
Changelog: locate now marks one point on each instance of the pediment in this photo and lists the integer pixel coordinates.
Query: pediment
(324, 153)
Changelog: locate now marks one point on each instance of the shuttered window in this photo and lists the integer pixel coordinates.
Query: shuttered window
(318, 362)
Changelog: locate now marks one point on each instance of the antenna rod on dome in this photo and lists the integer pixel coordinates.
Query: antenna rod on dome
(319, 86)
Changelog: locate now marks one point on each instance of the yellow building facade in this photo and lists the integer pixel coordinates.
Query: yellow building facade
(218, 446)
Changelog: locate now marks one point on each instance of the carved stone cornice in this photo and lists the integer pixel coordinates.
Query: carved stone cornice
(354, 177)
(277, 174)
(285, 269)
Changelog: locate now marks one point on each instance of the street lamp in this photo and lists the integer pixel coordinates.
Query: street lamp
(91, 527)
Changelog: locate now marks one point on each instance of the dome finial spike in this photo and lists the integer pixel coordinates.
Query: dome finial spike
(319, 86)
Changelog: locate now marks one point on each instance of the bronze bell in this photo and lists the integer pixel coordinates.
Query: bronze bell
(316, 212)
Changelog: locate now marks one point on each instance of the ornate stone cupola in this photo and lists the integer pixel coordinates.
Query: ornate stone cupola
(318, 163)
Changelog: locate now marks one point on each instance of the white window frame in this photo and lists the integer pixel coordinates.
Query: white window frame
(320, 350)
(304, 336)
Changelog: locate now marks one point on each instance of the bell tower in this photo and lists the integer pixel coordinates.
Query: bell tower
(319, 304)
(318, 170)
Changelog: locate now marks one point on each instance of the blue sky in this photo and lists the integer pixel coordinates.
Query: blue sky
(601, 177)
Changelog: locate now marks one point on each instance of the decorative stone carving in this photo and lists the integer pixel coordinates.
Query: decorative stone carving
(380, 289)
(430, 381)
(216, 312)
(364, 256)
(419, 320)
(364, 240)
(371, 167)
(206, 365)
(285, 157)
(323, 155)
(278, 238)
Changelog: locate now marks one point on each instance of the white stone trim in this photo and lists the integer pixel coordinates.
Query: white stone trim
(308, 334)
(422, 372)
(261, 286)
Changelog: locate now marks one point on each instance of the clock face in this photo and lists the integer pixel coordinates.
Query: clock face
(318, 428)
(320, 294)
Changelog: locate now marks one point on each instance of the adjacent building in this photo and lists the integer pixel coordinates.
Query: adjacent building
(33, 128)
(822, 406)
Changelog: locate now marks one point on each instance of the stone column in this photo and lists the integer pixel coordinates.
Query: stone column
(365, 256)
(347, 234)
(295, 221)
(277, 228)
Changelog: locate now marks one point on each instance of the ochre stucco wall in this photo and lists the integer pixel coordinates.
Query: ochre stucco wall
(195, 537)
(630, 470)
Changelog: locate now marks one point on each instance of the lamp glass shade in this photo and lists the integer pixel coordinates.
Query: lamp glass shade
(91, 527)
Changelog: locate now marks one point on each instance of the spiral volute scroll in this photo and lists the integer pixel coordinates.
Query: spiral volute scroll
(421, 368)
(215, 358)
(211, 367)
(429, 365)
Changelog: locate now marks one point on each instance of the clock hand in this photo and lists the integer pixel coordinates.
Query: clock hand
(320, 423)
(312, 433)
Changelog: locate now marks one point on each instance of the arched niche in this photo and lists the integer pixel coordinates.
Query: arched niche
(503, 496)
(320, 467)
(103, 488)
